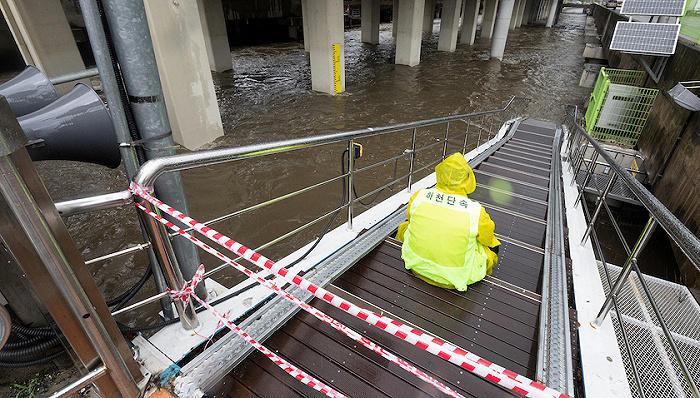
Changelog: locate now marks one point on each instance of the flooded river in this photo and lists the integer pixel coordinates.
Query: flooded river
(267, 97)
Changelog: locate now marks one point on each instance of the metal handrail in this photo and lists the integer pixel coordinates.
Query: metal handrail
(659, 214)
(155, 168)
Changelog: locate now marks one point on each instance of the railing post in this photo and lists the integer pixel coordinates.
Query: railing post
(444, 146)
(163, 250)
(585, 181)
(413, 159)
(481, 128)
(599, 205)
(624, 274)
(466, 135)
(491, 126)
(351, 166)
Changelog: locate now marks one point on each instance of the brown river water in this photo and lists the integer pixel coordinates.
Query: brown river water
(267, 97)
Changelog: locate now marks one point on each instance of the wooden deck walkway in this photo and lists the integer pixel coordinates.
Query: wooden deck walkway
(497, 318)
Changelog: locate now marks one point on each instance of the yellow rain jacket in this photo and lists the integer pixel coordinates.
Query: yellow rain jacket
(447, 235)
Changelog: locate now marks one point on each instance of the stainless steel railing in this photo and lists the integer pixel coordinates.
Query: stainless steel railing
(465, 132)
(579, 141)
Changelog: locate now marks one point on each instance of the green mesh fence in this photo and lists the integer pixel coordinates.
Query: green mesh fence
(618, 108)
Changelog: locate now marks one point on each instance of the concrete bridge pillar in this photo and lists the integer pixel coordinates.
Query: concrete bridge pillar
(183, 65)
(500, 31)
(305, 24)
(489, 18)
(551, 19)
(394, 18)
(327, 45)
(470, 15)
(521, 12)
(370, 21)
(44, 38)
(429, 16)
(514, 17)
(409, 32)
(211, 13)
(449, 25)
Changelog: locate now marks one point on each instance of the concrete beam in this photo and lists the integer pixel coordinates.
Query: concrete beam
(449, 25)
(370, 21)
(44, 38)
(211, 13)
(408, 37)
(489, 19)
(500, 31)
(183, 65)
(327, 45)
(470, 17)
(429, 16)
(551, 19)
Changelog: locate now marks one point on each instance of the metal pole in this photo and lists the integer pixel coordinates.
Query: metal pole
(481, 128)
(69, 77)
(166, 258)
(132, 41)
(110, 87)
(413, 159)
(351, 164)
(585, 180)
(444, 146)
(626, 269)
(466, 135)
(599, 206)
(80, 383)
(490, 126)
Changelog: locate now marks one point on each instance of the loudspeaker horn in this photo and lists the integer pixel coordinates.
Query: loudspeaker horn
(29, 91)
(77, 127)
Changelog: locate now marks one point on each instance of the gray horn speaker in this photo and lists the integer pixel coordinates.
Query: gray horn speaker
(77, 127)
(29, 91)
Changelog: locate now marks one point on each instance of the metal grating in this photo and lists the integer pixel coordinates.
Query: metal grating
(673, 8)
(658, 369)
(645, 38)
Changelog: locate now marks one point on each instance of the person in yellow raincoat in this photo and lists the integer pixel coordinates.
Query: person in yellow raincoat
(448, 237)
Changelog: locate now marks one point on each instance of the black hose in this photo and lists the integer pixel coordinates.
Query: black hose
(24, 343)
(44, 331)
(31, 363)
(28, 353)
(134, 289)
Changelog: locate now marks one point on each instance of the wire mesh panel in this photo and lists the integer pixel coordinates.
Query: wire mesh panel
(658, 370)
(618, 110)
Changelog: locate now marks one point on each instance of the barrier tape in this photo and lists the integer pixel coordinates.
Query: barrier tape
(189, 290)
(459, 356)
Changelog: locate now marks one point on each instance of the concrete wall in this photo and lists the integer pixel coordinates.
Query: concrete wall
(679, 187)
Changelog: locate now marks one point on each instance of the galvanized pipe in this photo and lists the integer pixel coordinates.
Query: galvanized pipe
(599, 205)
(110, 86)
(626, 270)
(132, 41)
(585, 180)
(69, 77)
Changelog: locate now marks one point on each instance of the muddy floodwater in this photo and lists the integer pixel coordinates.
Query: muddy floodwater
(267, 97)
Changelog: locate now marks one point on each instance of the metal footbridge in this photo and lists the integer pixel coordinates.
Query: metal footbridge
(553, 320)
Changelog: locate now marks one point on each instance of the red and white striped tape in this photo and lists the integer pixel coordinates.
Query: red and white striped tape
(188, 290)
(447, 351)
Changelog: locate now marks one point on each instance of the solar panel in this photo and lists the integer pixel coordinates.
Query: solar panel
(653, 7)
(645, 38)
